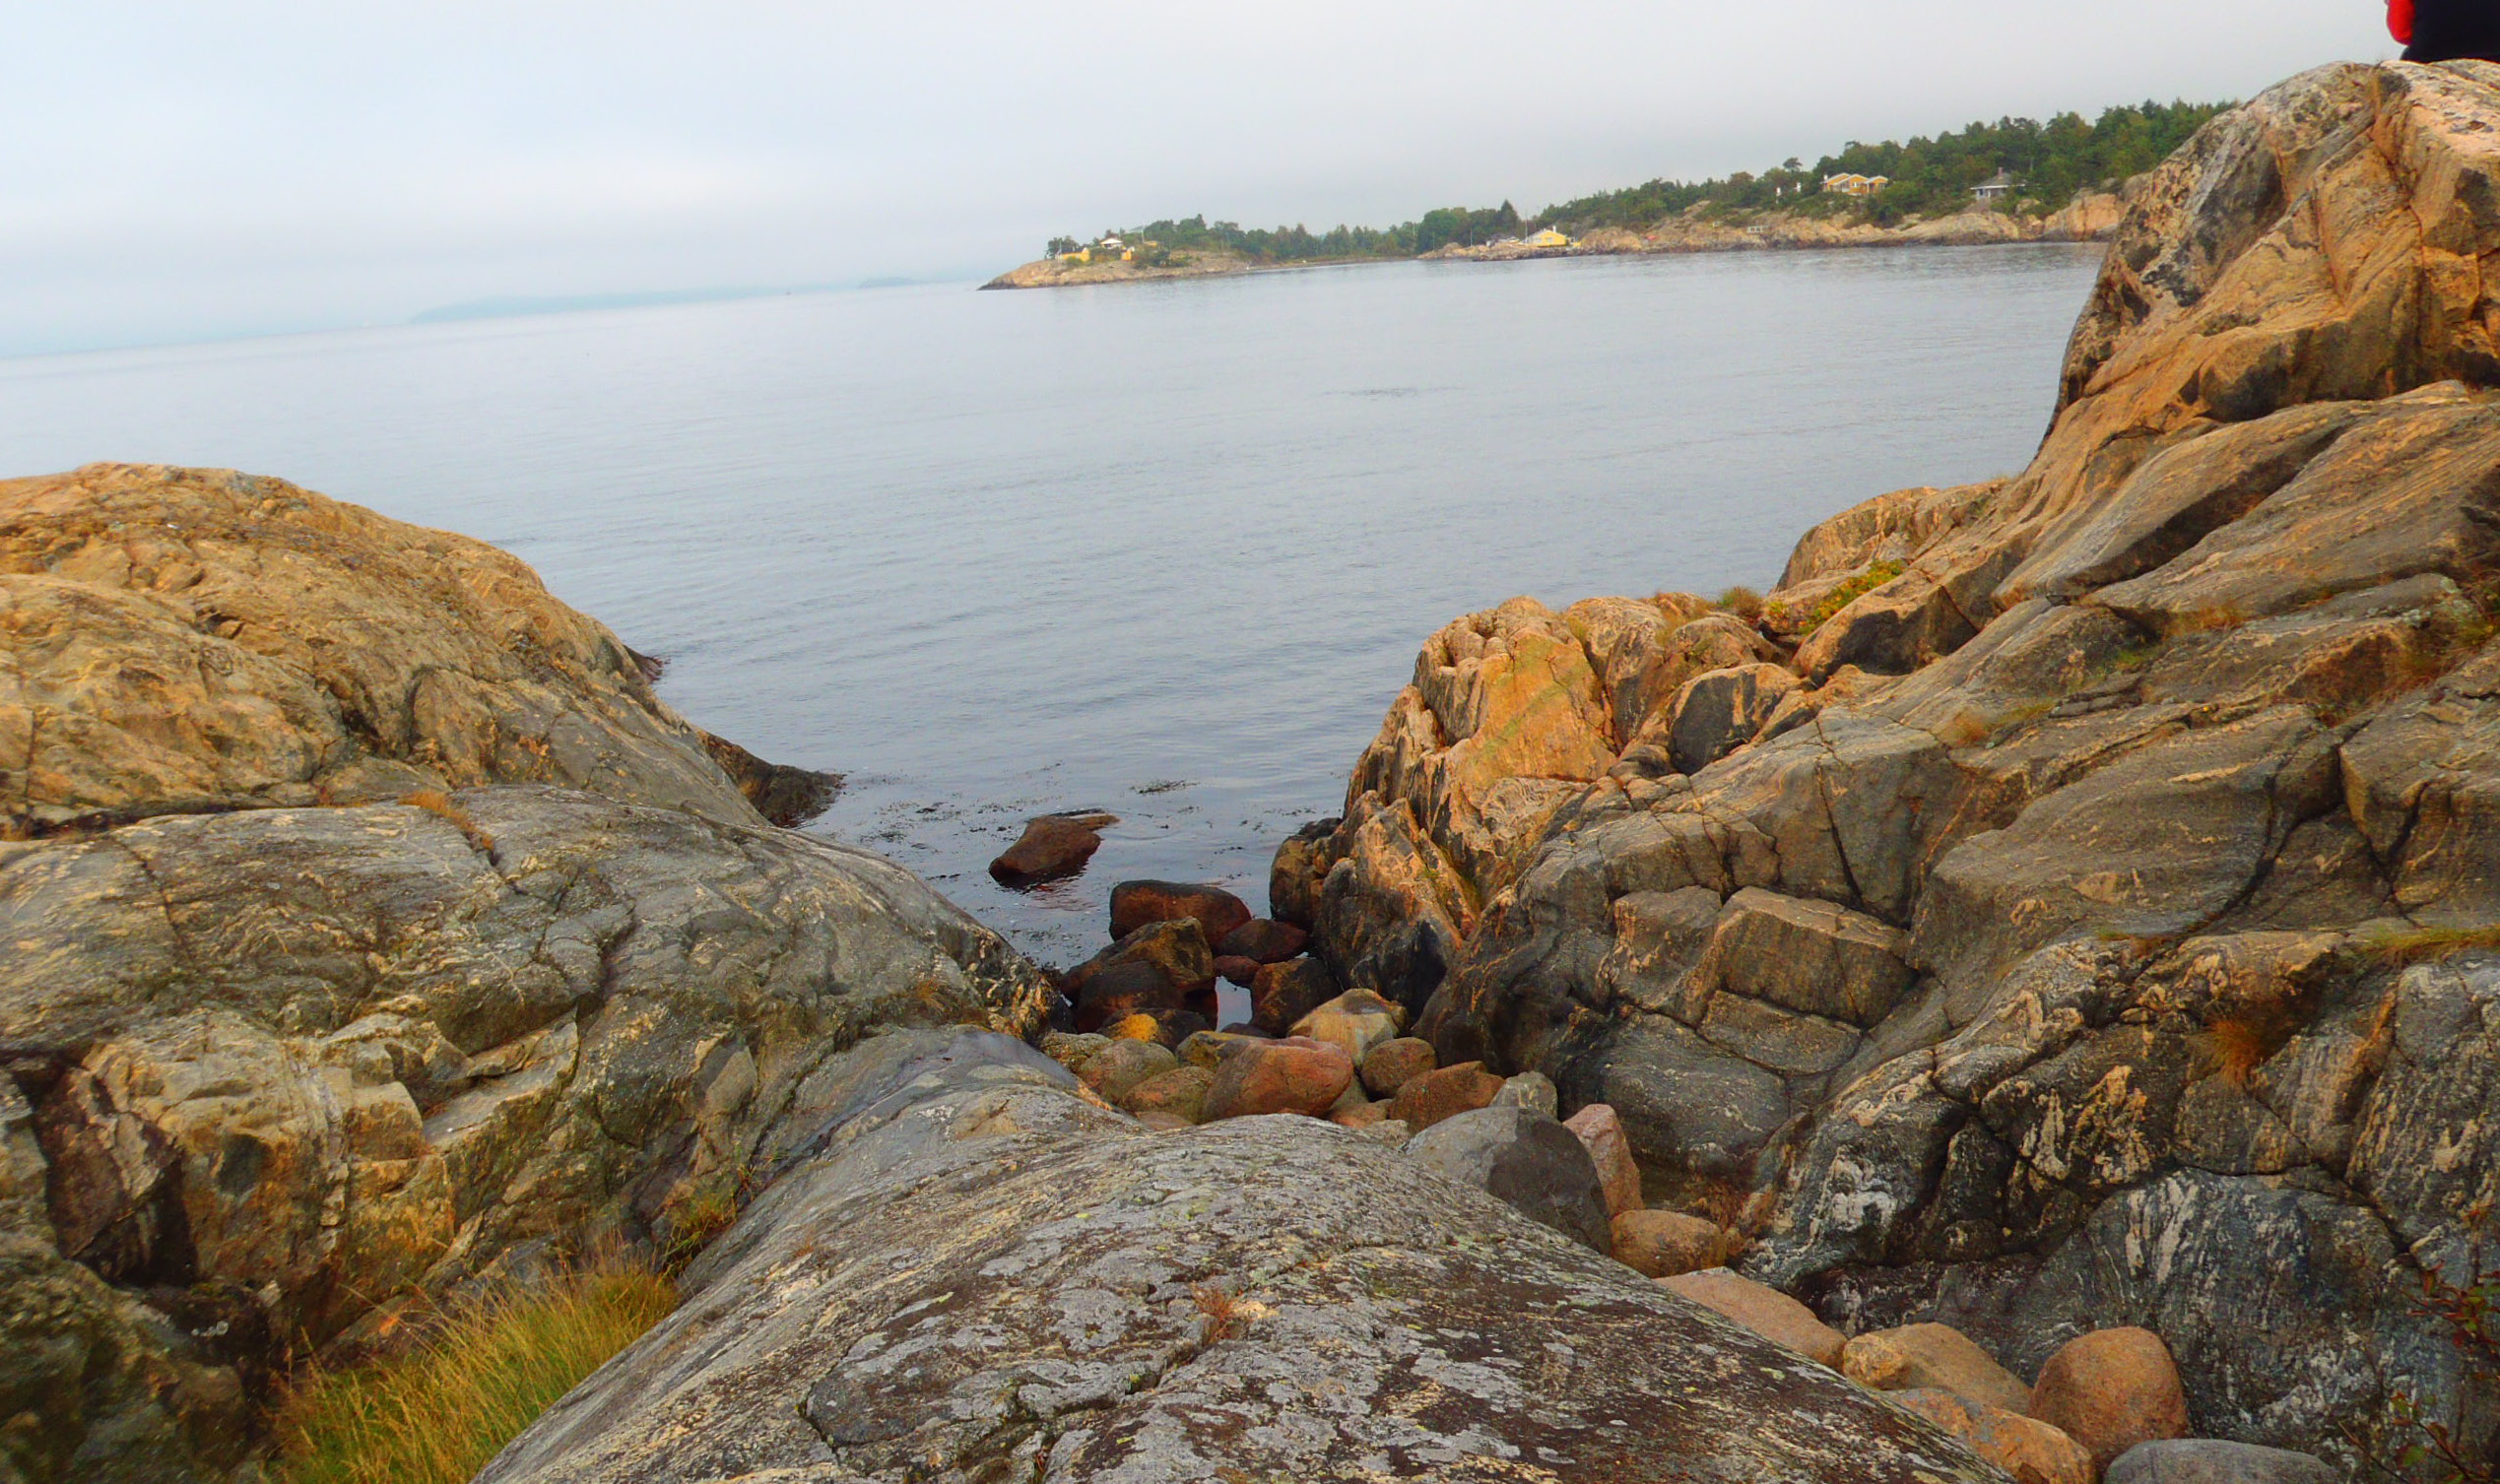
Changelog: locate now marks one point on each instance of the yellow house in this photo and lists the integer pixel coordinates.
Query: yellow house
(1855, 185)
(1547, 238)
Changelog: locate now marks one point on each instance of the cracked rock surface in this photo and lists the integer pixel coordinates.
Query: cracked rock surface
(2019, 959)
(286, 1055)
(982, 1277)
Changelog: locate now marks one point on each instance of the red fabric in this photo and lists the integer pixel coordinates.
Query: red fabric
(2399, 20)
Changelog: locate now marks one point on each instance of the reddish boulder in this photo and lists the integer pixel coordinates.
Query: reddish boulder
(1241, 971)
(1133, 904)
(1388, 1066)
(1052, 847)
(1611, 1149)
(1267, 941)
(2111, 1390)
(1664, 1243)
(1278, 1077)
(1427, 1100)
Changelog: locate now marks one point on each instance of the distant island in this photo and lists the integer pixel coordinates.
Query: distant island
(2017, 179)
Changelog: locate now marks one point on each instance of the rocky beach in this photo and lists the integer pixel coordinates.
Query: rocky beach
(2017, 999)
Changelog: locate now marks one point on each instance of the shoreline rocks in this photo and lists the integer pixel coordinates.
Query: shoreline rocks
(1994, 925)
(1271, 1296)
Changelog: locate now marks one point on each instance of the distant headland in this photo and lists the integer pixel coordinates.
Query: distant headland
(2016, 180)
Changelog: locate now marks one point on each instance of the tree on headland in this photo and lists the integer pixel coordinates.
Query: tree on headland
(1929, 176)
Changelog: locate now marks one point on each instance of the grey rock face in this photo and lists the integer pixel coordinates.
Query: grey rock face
(1024, 1286)
(1526, 1159)
(2038, 963)
(339, 1057)
(2207, 1460)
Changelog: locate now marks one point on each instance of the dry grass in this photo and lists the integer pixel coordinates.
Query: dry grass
(436, 1414)
(1224, 1318)
(2233, 1047)
(439, 804)
(2428, 945)
(1742, 602)
(695, 1222)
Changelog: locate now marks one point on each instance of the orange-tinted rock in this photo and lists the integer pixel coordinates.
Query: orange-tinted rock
(1133, 904)
(1355, 1021)
(2111, 1390)
(1603, 1133)
(1766, 1311)
(1427, 1099)
(1278, 1077)
(2032, 1450)
(1932, 1357)
(1179, 1090)
(1663, 1243)
(1386, 1067)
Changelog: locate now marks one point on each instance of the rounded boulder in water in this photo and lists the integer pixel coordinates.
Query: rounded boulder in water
(1052, 848)
(1133, 904)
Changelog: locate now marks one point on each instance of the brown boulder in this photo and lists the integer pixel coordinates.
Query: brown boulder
(1612, 1151)
(1177, 948)
(1052, 847)
(1354, 1022)
(1180, 1091)
(1267, 941)
(1209, 1049)
(1116, 1069)
(1278, 1077)
(1125, 989)
(1766, 1311)
(1388, 1066)
(1425, 1100)
(1663, 1243)
(1932, 1357)
(1133, 904)
(2111, 1390)
(1282, 994)
(2033, 1452)
(1241, 971)
(1169, 1029)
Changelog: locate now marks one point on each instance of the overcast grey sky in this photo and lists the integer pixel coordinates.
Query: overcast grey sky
(178, 170)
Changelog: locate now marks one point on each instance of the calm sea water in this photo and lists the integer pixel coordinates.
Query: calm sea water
(1162, 549)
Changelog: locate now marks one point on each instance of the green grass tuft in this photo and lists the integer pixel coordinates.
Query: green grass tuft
(2426, 945)
(1851, 591)
(436, 1414)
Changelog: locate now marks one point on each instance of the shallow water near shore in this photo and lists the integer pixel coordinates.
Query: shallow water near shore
(1164, 550)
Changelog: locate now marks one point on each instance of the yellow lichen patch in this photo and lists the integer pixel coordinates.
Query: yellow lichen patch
(1138, 1027)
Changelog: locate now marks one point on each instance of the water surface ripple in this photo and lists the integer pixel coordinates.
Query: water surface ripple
(1162, 549)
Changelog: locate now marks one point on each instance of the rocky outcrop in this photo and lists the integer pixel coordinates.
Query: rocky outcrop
(188, 641)
(1026, 1286)
(374, 933)
(2034, 956)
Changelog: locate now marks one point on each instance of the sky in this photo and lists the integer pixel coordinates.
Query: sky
(182, 170)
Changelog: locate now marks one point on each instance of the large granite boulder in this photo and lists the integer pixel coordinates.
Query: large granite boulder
(374, 933)
(1024, 1286)
(185, 640)
(2020, 961)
